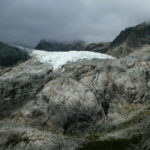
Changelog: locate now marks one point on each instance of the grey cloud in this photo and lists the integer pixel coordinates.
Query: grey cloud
(28, 21)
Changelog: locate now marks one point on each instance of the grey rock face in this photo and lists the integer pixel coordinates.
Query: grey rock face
(65, 105)
(45, 109)
(21, 84)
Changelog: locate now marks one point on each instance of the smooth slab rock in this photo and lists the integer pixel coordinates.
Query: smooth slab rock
(64, 105)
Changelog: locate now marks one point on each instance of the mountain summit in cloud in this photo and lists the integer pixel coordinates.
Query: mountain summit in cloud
(60, 46)
(26, 22)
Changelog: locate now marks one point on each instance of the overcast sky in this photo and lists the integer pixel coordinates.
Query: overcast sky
(28, 21)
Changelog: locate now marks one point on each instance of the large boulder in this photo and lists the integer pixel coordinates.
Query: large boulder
(101, 47)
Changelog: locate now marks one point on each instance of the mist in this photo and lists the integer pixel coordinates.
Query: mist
(26, 22)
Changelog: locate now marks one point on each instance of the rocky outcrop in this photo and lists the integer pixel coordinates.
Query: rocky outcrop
(128, 113)
(20, 84)
(60, 46)
(129, 40)
(10, 56)
(89, 103)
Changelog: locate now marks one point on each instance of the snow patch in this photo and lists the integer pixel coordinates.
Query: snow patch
(57, 59)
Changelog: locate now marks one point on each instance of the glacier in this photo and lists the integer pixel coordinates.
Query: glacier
(58, 59)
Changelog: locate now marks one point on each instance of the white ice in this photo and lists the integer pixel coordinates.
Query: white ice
(57, 59)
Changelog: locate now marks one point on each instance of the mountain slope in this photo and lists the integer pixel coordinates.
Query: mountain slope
(129, 40)
(87, 103)
(10, 56)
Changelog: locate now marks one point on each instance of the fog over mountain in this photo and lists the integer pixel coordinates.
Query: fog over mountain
(28, 21)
